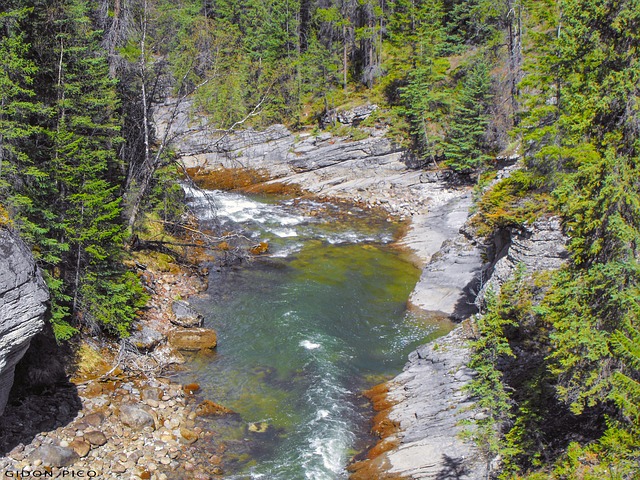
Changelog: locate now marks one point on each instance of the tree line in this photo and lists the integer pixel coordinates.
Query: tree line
(558, 352)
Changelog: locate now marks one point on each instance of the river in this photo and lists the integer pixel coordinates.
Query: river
(302, 331)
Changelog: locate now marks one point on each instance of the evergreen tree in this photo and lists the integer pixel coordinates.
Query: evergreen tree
(463, 147)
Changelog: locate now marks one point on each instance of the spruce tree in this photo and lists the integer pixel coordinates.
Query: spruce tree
(463, 146)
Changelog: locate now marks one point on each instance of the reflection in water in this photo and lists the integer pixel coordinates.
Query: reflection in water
(301, 334)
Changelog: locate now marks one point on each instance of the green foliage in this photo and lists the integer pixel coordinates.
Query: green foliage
(463, 148)
(492, 398)
(61, 156)
(112, 301)
(513, 201)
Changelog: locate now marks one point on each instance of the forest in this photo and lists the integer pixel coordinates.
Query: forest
(461, 84)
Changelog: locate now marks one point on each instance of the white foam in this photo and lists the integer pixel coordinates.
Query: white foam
(285, 232)
(322, 414)
(309, 345)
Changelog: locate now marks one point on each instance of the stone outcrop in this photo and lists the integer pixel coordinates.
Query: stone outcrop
(23, 297)
(450, 276)
(193, 339)
(536, 247)
(426, 404)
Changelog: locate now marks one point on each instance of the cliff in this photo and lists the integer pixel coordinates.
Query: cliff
(23, 297)
(426, 403)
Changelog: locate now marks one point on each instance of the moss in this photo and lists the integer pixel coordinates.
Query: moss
(514, 201)
(5, 220)
(89, 362)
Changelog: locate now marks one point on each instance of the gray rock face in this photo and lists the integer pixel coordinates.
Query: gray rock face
(23, 297)
(537, 247)
(454, 263)
(430, 402)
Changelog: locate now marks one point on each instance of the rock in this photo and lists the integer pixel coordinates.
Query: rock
(135, 417)
(207, 408)
(146, 339)
(151, 393)
(184, 315)
(217, 471)
(455, 262)
(189, 436)
(193, 339)
(94, 419)
(351, 117)
(95, 437)
(81, 447)
(23, 297)
(54, 456)
(165, 355)
(538, 246)
(258, 427)
(190, 388)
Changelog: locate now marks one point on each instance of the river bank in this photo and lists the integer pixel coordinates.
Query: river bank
(419, 412)
(119, 415)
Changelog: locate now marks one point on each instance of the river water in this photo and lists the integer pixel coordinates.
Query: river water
(302, 331)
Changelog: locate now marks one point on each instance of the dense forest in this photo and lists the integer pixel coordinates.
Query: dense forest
(460, 83)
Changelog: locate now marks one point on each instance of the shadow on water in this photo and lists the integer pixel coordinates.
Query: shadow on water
(42, 399)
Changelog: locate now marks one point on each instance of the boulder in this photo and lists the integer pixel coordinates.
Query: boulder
(81, 447)
(184, 315)
(23, 297)
(54, 456)
(188, 436)
(193, 339)
(151, 393)
(146, 339)
(135, 417)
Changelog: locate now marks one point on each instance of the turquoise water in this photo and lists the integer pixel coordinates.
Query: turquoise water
(301, 334)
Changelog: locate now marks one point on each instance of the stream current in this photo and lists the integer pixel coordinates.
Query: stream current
(301, 332)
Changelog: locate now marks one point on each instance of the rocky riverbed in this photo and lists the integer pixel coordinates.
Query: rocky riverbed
(120, 417)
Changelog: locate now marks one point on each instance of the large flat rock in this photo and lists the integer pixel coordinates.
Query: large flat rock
(454, 262)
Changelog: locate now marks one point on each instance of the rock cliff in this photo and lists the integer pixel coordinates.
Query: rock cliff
(23, 297)
(536, 247)
(427, 401)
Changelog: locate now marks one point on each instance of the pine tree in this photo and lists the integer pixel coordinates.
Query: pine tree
(463, 147)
